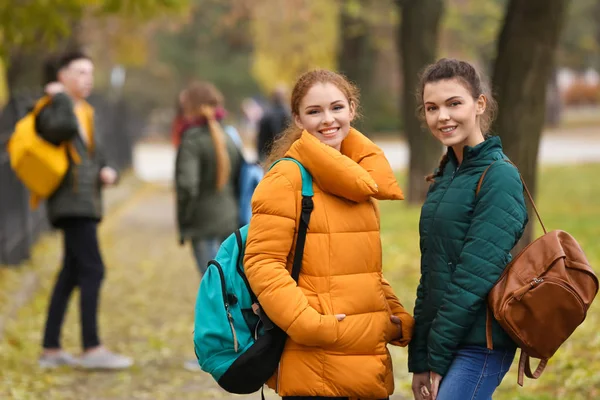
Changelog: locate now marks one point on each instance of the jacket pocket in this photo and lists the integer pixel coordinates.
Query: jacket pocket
(325, 301)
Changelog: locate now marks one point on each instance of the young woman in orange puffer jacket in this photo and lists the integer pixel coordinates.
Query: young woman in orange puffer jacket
(343, 313)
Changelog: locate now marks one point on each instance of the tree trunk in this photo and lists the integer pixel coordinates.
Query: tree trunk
(356, 53)
(526, 52)
(418, 47)
(355, 59)
(597, 18)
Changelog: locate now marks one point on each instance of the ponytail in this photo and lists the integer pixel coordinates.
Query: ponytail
(222, 156)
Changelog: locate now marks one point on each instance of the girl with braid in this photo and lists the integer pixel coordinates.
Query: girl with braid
(205, 174)
(465, 241)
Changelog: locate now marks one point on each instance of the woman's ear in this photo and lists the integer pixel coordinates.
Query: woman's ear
(298, 122)
(352, 110)
(481, 104)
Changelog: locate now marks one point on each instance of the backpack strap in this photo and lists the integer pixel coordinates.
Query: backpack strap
(307, 208)
(525, 368)
(537, 213)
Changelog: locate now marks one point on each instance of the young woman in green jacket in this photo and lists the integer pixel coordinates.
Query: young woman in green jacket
(206, 172)
(465, 240)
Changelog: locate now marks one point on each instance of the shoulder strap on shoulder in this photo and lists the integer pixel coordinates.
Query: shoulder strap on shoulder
(307, 208)
(483, 176)
(307, 189)
(537, 213)
(41, 103)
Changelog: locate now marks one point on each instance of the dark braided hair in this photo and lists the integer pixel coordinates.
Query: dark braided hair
(467, 75)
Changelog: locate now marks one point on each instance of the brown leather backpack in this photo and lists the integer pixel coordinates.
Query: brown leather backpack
(542, 295)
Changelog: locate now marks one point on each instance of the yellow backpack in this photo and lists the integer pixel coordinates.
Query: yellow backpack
(39, 164)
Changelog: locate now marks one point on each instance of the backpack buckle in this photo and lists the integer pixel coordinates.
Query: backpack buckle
(307, 208)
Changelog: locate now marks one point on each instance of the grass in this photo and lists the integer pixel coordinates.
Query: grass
(568, 200)
(151, 282)
(146, 312)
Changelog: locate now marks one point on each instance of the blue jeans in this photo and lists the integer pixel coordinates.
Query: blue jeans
(204, 251)
(475, 373)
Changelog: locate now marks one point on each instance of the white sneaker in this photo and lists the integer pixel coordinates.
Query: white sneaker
(192, 365)
(102, 358)
(57, 359)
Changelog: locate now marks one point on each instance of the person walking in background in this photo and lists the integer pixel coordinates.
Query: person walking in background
(76, 209)
(342, 313)
(273, 122)
(466, 239)
(252, 112)
(206, 169)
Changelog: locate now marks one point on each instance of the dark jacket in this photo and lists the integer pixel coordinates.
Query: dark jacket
(202, 212)
(465, 245)
(272, 124)
(80, 193)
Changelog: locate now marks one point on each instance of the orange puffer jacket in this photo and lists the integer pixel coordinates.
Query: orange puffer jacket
(341, 270)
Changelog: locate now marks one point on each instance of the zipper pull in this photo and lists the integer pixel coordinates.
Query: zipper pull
(235, 341)
(454, 173)
(519, 293)
(536, 281)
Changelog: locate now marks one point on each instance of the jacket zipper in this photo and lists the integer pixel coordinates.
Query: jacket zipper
(226, 303)
(454, 173)
(438, 205)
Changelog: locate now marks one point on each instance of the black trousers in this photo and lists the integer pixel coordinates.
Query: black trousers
(83, 268)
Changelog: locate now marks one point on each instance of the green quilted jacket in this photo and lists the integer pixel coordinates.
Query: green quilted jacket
(465, 245)
(202, 212)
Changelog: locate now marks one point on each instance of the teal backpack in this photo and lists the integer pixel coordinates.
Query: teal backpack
(234, 340)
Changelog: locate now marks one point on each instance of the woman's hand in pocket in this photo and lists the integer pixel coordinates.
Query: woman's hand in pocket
(398, 322)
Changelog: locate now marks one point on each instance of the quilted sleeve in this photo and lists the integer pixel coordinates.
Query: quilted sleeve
(270, 238)
(399, 311)
(417, 348)
(498, 221)
(57, 123)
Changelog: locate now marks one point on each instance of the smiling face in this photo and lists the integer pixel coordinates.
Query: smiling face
(325, 113)
(452, 114)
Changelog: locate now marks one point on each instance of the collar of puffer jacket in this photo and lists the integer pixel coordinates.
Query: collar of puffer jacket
(478, 154)
(356, 173)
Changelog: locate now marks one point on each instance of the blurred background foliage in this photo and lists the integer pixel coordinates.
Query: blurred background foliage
(247, 47)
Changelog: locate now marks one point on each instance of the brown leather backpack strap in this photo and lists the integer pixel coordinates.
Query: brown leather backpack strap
(537, 213)
(523, 359)
(538, 371)
(525, 368)
(481, 178)
(488, 330)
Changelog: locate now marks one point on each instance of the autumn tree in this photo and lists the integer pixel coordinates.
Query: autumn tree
(579, 46)
(420, 21)
(214, 44)
(291, 37)
(470, 28)
(29, 30)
